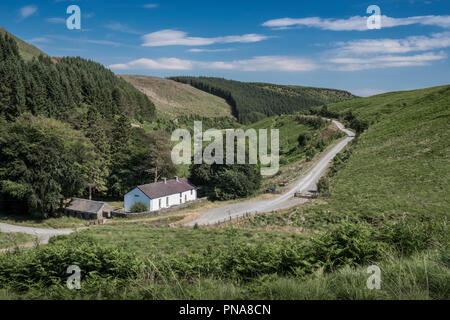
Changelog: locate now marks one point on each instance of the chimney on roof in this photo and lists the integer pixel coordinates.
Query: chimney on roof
(165, 180)
(176, 178)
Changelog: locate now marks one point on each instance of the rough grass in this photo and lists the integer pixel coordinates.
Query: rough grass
(12, 240)
(145, 238)
(290, 130)
(400, 166)
(421, 277)
(54, 223)
(398, 169)
(175, 99)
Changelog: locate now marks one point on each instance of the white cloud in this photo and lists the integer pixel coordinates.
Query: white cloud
(262, 63)
(265, 63)
(364, 54)
(352, 23)
(196, 50)
(157, 64)
(27, 11)
(287, 64)
(384, 61)
(83, 40)
(171, 37)
(40, 40)
(356, 23)
(409, 44)
(354, 55)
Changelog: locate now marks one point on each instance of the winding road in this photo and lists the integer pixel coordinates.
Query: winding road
(43, 234)
(225, 213)
(287, 200)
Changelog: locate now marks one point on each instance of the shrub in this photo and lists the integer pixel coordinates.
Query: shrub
(226, 182)
(408, 238)
(48, 265)
(310, 153)
(347, 244)
(323, 186)
(303, 139)
(340, 161)
(138, 207)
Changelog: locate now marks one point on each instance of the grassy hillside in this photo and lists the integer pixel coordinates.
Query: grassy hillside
(319, 134)
(27, 51)
(400, 166)
(396, 171)
(252, 102)
(175, 99)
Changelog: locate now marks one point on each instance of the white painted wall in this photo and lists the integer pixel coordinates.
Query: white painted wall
(172, 200)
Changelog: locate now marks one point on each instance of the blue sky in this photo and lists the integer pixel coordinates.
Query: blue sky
(314, 43)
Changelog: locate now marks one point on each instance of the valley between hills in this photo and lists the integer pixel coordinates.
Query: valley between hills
(382, 187)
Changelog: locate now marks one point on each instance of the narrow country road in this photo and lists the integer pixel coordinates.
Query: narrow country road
(287, 200)
(43, 234)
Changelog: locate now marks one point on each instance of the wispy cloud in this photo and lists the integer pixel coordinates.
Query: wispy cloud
(262, 63)
(150, 6)
(285, 64)
(155, 64)
(197, 50)
(356, 23)
(171, 37)
(56, 20)
(84, 40)
(265, 63)
(385, 61)
(88, 15)
(40, 40)
(27, 11)
(117, 26)
(364, 54)
(409, 44)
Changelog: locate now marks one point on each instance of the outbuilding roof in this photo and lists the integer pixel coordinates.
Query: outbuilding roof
(162, 189)
(84, 205)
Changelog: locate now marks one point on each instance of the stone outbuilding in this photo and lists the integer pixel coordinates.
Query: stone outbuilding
(88, 209)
